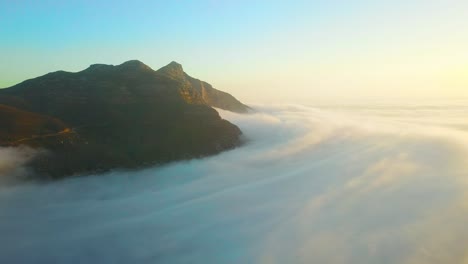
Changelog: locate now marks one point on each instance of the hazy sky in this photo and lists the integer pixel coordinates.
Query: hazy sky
(258, 50)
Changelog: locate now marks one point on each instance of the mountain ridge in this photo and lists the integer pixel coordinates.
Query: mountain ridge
(122, 116)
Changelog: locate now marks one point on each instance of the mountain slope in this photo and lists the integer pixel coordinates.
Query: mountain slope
(18, 125)
(210, 95)
(123, 116)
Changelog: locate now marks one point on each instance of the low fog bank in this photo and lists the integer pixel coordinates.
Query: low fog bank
(13, 164)
(312, 185)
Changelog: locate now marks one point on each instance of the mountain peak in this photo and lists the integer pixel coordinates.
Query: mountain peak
(134, 64)
(174, 64)
(97, 66)
(173, 70)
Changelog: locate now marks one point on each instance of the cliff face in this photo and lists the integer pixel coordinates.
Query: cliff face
(107, 117)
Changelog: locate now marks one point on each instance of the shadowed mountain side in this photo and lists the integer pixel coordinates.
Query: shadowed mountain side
(19, 125)
(123, 116)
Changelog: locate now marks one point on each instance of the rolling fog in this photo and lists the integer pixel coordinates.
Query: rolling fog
(331, 184)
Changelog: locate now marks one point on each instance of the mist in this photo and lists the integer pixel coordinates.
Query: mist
(13, 163)
(329, 184)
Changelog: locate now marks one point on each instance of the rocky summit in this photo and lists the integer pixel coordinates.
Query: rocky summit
(107, 117)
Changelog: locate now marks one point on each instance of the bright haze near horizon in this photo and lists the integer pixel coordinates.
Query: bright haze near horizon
(262, 51)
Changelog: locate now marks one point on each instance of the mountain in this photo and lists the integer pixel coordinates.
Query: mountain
(123, 116)
(210, 95)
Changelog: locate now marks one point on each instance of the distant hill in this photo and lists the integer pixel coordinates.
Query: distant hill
(123, 116)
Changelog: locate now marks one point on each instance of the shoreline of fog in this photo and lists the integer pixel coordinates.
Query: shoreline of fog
(321, 185)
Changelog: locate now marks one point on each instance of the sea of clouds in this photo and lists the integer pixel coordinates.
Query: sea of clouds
(330, 184)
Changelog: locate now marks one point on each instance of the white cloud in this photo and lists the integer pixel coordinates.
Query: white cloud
(310, 186)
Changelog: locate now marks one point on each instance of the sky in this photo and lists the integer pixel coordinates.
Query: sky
(260, 51)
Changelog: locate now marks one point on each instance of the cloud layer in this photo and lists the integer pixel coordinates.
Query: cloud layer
(312, 185)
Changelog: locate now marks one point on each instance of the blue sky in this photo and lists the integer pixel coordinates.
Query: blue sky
(309, 48)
